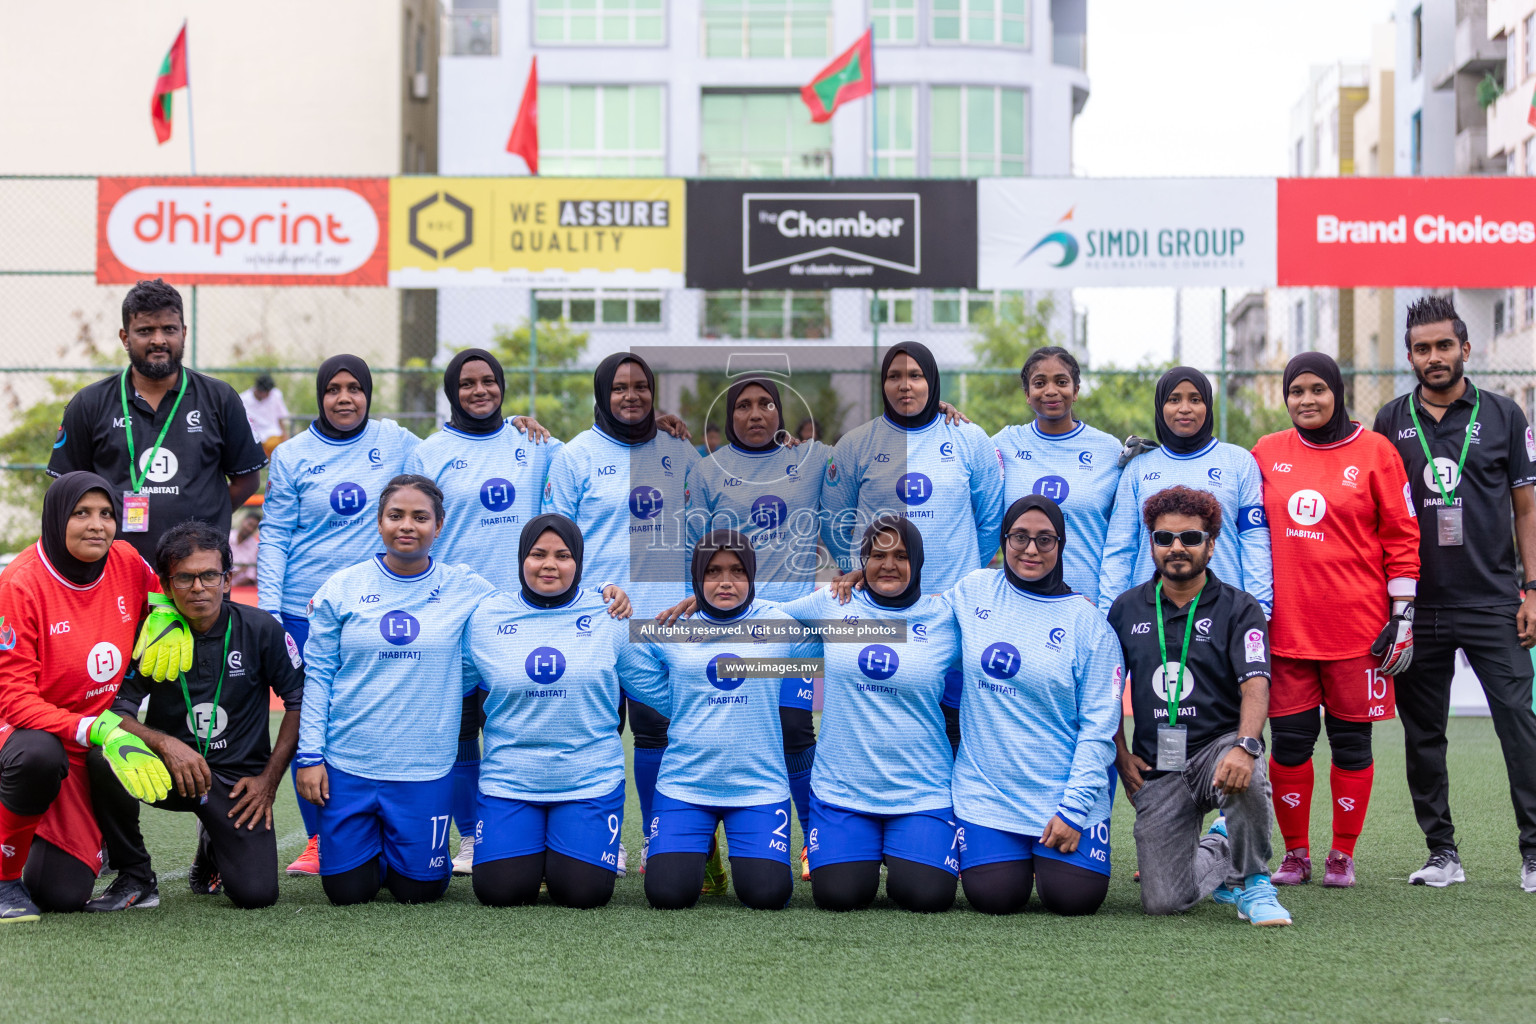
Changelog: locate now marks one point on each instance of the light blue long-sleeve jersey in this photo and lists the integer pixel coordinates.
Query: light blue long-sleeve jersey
(321, 509)
(725, 747)
(551, 678)
(492, 484)
(1077, 470)
(773, 499)
(383, 679)
(882, 748)
(946, 479)
(1039, 709)
(1242, 549)
(628, 501)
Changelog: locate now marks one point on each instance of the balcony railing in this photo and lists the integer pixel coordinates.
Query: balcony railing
(813, 163)
(1070, 50)
(1472, 152)
(1472, 51)
(471, 34)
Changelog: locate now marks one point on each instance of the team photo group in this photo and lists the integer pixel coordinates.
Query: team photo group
(458, 630)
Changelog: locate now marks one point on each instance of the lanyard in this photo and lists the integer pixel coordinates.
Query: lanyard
(1176, 688)
(133, 460)
(218, 691)
(1448, 496)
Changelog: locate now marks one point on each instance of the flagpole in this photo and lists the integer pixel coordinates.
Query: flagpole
(874, 147)
(186, 57)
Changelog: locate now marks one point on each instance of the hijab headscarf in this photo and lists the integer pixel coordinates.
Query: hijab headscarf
(1165, 435)
(723, 540)
(59, 503)
(912, 539)
(460, 418)
(330, 368)
(568, 533)
(1051, 584)
(733, 393)
(602, 387)
(924, 359)
(1337, 428)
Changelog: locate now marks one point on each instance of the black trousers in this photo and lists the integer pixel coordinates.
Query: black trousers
(246, 858)
(1424, 700)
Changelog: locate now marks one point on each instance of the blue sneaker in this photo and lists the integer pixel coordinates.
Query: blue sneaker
(1228, 894)
(16, 903)
(1218, 827)
(1259, 904)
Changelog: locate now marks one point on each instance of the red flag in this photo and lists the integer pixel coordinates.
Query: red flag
(1530, 118)
(849, 76)
(173, 76)
(524, 140)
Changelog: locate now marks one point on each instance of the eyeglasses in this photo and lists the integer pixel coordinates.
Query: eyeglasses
(1189, 538)
(1043, 542)
(209, 579)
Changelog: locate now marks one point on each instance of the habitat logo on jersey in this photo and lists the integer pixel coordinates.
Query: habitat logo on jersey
(399, 628)
(645, 502)
(1054, 487)
(497, 494)
(769, 512)
(914, 488)
(879, 662)
(348, 499)
(1001, 660)
(545, 665)
(1169, 671)
(719, 681)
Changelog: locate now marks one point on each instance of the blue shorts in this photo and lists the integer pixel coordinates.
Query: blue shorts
(585, 830)
(406, 822)
(298, 628)
(982, 845)
(839, 835)
(759, 831)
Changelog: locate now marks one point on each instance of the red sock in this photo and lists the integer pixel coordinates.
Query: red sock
(1351, 797)
(1293, 801)
(15, 841)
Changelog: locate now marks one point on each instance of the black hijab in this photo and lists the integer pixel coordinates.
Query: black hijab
(1339, 427)
(733, 393)
(1165, 435)
(1051, 584)
(59, 503)
(602, 387)
(460, 418)
(913, 540)
(924, 359)
(330, 368)
(723, 540)
(571, 535)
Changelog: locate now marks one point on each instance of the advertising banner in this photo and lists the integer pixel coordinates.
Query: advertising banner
(843, 233)
(1407, 232)
(293, 231)
(1108, 232)
(550, 232)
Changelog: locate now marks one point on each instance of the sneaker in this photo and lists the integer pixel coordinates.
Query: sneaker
(203, 876)
(1227, 894)
(1295, 869)
(1442, 869)
(623, 861)
(308, 862)
(1259, 904)
(805, 863)
(125, 892)
(1528, 873)
(464, 862)
(716, 878)
(1218, 827)
(16, 903)
(1339, 871)
(645, 852)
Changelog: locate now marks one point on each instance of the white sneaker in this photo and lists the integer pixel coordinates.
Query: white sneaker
(1528, 873)
(464, 863)
(1442, 868)
(645, 852)
(623, 861)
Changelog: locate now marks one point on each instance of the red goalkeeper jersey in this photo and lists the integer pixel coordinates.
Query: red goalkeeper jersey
(1341, 523)
(63, 648)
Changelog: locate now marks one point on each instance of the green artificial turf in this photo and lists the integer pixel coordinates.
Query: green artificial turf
(1382, 952)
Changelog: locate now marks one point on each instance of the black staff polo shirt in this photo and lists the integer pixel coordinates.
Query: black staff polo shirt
(1482, 572)
(1229, 646)
(209, 442)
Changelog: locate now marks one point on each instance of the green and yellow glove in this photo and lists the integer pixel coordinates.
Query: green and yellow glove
(142, 773)
(164, 648)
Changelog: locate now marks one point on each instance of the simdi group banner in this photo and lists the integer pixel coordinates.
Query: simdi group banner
(272, 231)
(550, 232)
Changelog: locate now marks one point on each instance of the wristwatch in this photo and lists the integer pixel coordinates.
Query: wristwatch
(1251, 746)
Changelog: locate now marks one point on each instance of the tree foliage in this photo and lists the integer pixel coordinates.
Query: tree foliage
(562, 397)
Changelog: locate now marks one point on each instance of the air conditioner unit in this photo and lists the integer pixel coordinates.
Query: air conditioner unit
(420, 86)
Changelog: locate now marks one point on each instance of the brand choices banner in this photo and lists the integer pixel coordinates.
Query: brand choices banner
(305, 231)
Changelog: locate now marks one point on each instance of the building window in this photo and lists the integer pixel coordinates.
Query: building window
(1418, 42)
(1299, 326)
(1529, 145)
(601, 130)
(964, 306)
(1296, 161)
(1530, 306)
(1498, 317)
(978, 131)
(1317, 147)
(1416, 139)
(895, 141)
(600, 306)
(895, 20)
(768, 315)
(767, 28)
(891, 307)
(762, 135)
(597, 22)
(981, 22)
(1528, 37)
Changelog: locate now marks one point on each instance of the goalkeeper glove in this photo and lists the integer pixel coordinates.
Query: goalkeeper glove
(1395, 644)
(142, 773)
(164, 648)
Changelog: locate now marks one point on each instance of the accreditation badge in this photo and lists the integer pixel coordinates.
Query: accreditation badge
(135, 512)
(1172, 748)
(1448, 526)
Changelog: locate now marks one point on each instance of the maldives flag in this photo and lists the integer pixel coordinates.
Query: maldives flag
(1530, 117)
(524, 140)
(847, 78)
(173, 76)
